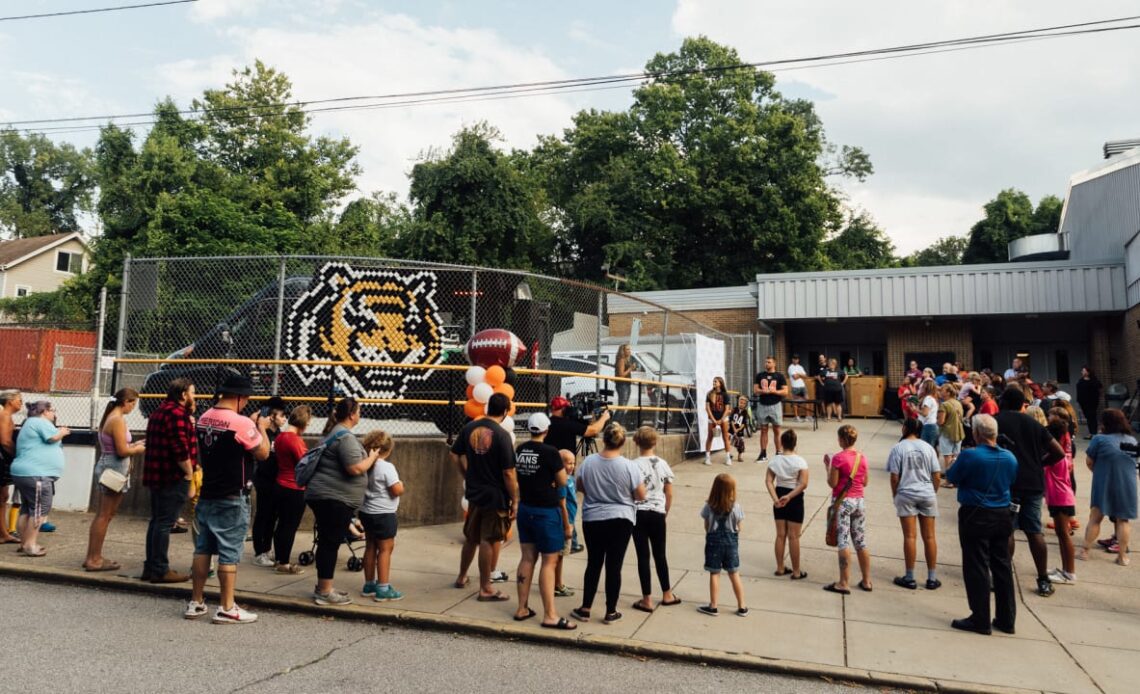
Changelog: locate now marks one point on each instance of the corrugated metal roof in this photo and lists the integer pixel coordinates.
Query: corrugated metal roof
(1132, 270)
(684, 299)
(960, 290)
(1102, 208)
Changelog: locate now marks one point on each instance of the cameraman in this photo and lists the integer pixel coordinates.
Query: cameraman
(564, 431)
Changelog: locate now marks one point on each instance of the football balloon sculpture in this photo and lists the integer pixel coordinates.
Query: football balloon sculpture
(492, 354)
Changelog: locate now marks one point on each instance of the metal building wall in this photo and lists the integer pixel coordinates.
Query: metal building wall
(1102, 210)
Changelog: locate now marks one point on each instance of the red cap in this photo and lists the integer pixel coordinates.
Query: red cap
(559, 403)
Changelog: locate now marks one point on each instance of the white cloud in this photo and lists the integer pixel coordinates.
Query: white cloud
(385, 54)
(946, 132)
(212, 10)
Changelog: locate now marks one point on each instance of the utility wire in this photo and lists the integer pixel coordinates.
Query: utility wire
(95, 10)
(488, 93)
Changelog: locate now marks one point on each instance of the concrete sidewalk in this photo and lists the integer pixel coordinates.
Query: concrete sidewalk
(1086, 638)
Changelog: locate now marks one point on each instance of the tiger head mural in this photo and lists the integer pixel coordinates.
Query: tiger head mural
(366, 315)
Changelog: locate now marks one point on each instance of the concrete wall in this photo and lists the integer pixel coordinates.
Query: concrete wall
(433, 487)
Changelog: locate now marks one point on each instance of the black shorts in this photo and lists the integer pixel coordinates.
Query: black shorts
(1070, 511)
(378, 526)
(5, 472)
(833, 395)
(794, 511)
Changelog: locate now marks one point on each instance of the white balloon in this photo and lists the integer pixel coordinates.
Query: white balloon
(482, 392)
(509, 425)
(476, 375)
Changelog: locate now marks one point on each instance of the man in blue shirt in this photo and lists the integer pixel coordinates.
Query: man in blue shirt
(984, 475)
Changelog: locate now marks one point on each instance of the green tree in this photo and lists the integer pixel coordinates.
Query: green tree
(945, 251)
(861, 245)
(1047, 216)
(44, 187)
(370, 226)
(1008, 217)
(473, 205)
(707, 179)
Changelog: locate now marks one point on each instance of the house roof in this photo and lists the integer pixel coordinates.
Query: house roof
(18, 250)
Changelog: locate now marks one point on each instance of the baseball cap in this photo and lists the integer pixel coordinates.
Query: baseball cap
(538, 423)
(559, 403)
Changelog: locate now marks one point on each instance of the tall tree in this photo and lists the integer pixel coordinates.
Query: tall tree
(945, 251)
(1008, 217)
(861, 245)
(44, 187)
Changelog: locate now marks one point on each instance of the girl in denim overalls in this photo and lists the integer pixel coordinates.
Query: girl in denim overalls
(723, 518)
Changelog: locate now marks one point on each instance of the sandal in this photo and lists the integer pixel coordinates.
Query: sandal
(782, 571)
(105, 566)
(865, 588)
(831, 588)
(529, 613)
(803, 575)
(497, 596)
(462, 583)
(38, 553)
(288, 569)
(641, 606)
(675, 601)
(562, 624)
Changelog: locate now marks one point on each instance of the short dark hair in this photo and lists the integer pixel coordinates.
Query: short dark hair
(1012, 398)
(788, 440)
(177, 389)
(1113, 421)
(912, 427)
(277, 404)
(498, 405)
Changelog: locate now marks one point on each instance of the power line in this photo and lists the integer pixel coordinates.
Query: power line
(573, 85)
(95, 10)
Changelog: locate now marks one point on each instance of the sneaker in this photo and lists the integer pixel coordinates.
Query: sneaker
(388, 594)
(1044, 587)
(333, 597)
(904, 582)
(742, 612)
(763, 457)
(194, 610)
(234, 615)
(288, 569)
(708, 459)
(1107, 543)
(1114, 548)
(728, 460)
(563, 591)
(705, 609)
(1062, 577)
(264, 561)
(499, 577)
(574, 549)
(369, 588)
(47, 527)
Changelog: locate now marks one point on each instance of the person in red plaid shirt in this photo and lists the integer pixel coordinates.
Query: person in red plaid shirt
(168, 467)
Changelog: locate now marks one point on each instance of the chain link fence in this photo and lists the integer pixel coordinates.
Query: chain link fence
(377, 310)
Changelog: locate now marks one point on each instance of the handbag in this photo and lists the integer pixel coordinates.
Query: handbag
(832, 536)
(113, 480)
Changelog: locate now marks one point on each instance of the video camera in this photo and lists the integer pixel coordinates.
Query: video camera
(586, 407)
(1133, 450)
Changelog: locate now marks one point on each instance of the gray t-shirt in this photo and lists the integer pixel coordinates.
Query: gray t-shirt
(331, 479)
(655, 473)
(915, 462)
(734, 518)
(607, 486)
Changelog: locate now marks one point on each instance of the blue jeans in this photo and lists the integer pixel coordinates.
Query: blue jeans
(165, 503)
(930, 435)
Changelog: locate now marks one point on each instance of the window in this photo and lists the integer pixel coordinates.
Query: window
(1062, 366)
(23, 290)
(71, 263)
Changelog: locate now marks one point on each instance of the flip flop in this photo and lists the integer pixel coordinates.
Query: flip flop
(495, 597)
(784, 571)
(562, 624)
(107, 566)
(675, 601)
(803, 575)
(638, 606)
(865, 588)
(830, 587)
(10, 541)
(40, 553)
(529, 613)
(463, 583)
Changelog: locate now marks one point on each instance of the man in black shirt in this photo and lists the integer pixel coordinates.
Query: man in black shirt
(543, 527)
(564, 431)
(770, 388)
(485, 459)
(1034, 448)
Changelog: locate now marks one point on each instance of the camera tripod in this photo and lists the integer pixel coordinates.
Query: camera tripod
(587, 445)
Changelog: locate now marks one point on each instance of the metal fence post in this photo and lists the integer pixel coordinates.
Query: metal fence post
(598, 345)
(124, 298)
(474, 295)
(661, 357)
(280, 321)
(97, 372)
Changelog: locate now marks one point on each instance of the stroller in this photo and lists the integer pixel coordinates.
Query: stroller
(355, 563)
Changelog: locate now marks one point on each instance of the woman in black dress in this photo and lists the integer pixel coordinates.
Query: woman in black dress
(1088, 397)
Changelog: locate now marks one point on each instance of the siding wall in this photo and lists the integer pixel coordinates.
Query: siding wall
(1102, 210)
(39, 272)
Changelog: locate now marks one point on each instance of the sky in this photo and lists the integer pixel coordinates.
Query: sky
(945, 132)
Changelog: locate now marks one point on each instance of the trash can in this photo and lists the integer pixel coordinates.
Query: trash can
(1115, 395)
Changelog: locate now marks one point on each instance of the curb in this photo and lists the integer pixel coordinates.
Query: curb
(592, 642)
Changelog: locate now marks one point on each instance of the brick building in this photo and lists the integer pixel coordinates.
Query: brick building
(1063, 300)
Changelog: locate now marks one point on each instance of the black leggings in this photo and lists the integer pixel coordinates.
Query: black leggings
(265, 515)
(649, 534)
(332, 518)
(1089, 410)
(606, 543)
(290, 508)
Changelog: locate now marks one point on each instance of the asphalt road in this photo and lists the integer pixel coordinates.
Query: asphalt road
(71, 639)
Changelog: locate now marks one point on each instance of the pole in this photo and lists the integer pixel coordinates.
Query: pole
(474, 292)
(280, 322)
(124, 299)
(97, 371)
(661, 356)
(598, 345)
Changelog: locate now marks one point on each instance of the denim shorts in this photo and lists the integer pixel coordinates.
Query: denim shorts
(1029, 517)
(542, 527)
(119, 465)
(722, 552)
(222, 525)
(948, 447)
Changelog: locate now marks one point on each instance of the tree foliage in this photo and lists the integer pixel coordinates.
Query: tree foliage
(945, 251)
(1008, 217)
(862, 244)
(44, 187)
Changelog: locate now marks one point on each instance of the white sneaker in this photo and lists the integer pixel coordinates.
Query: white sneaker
(728, 460)
(1062, 577)
(333, 597)
(264, 561)
(194, 610)
(708, 459)
(499, 577)
(234, 615)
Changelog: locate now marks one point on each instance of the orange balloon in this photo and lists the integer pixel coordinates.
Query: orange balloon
(506, 389)
(511, 412)
(496, 375)
(470, 392)
(473, 409)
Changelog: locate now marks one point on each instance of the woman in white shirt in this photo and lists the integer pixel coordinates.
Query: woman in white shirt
(928, 412)
(787, 479)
